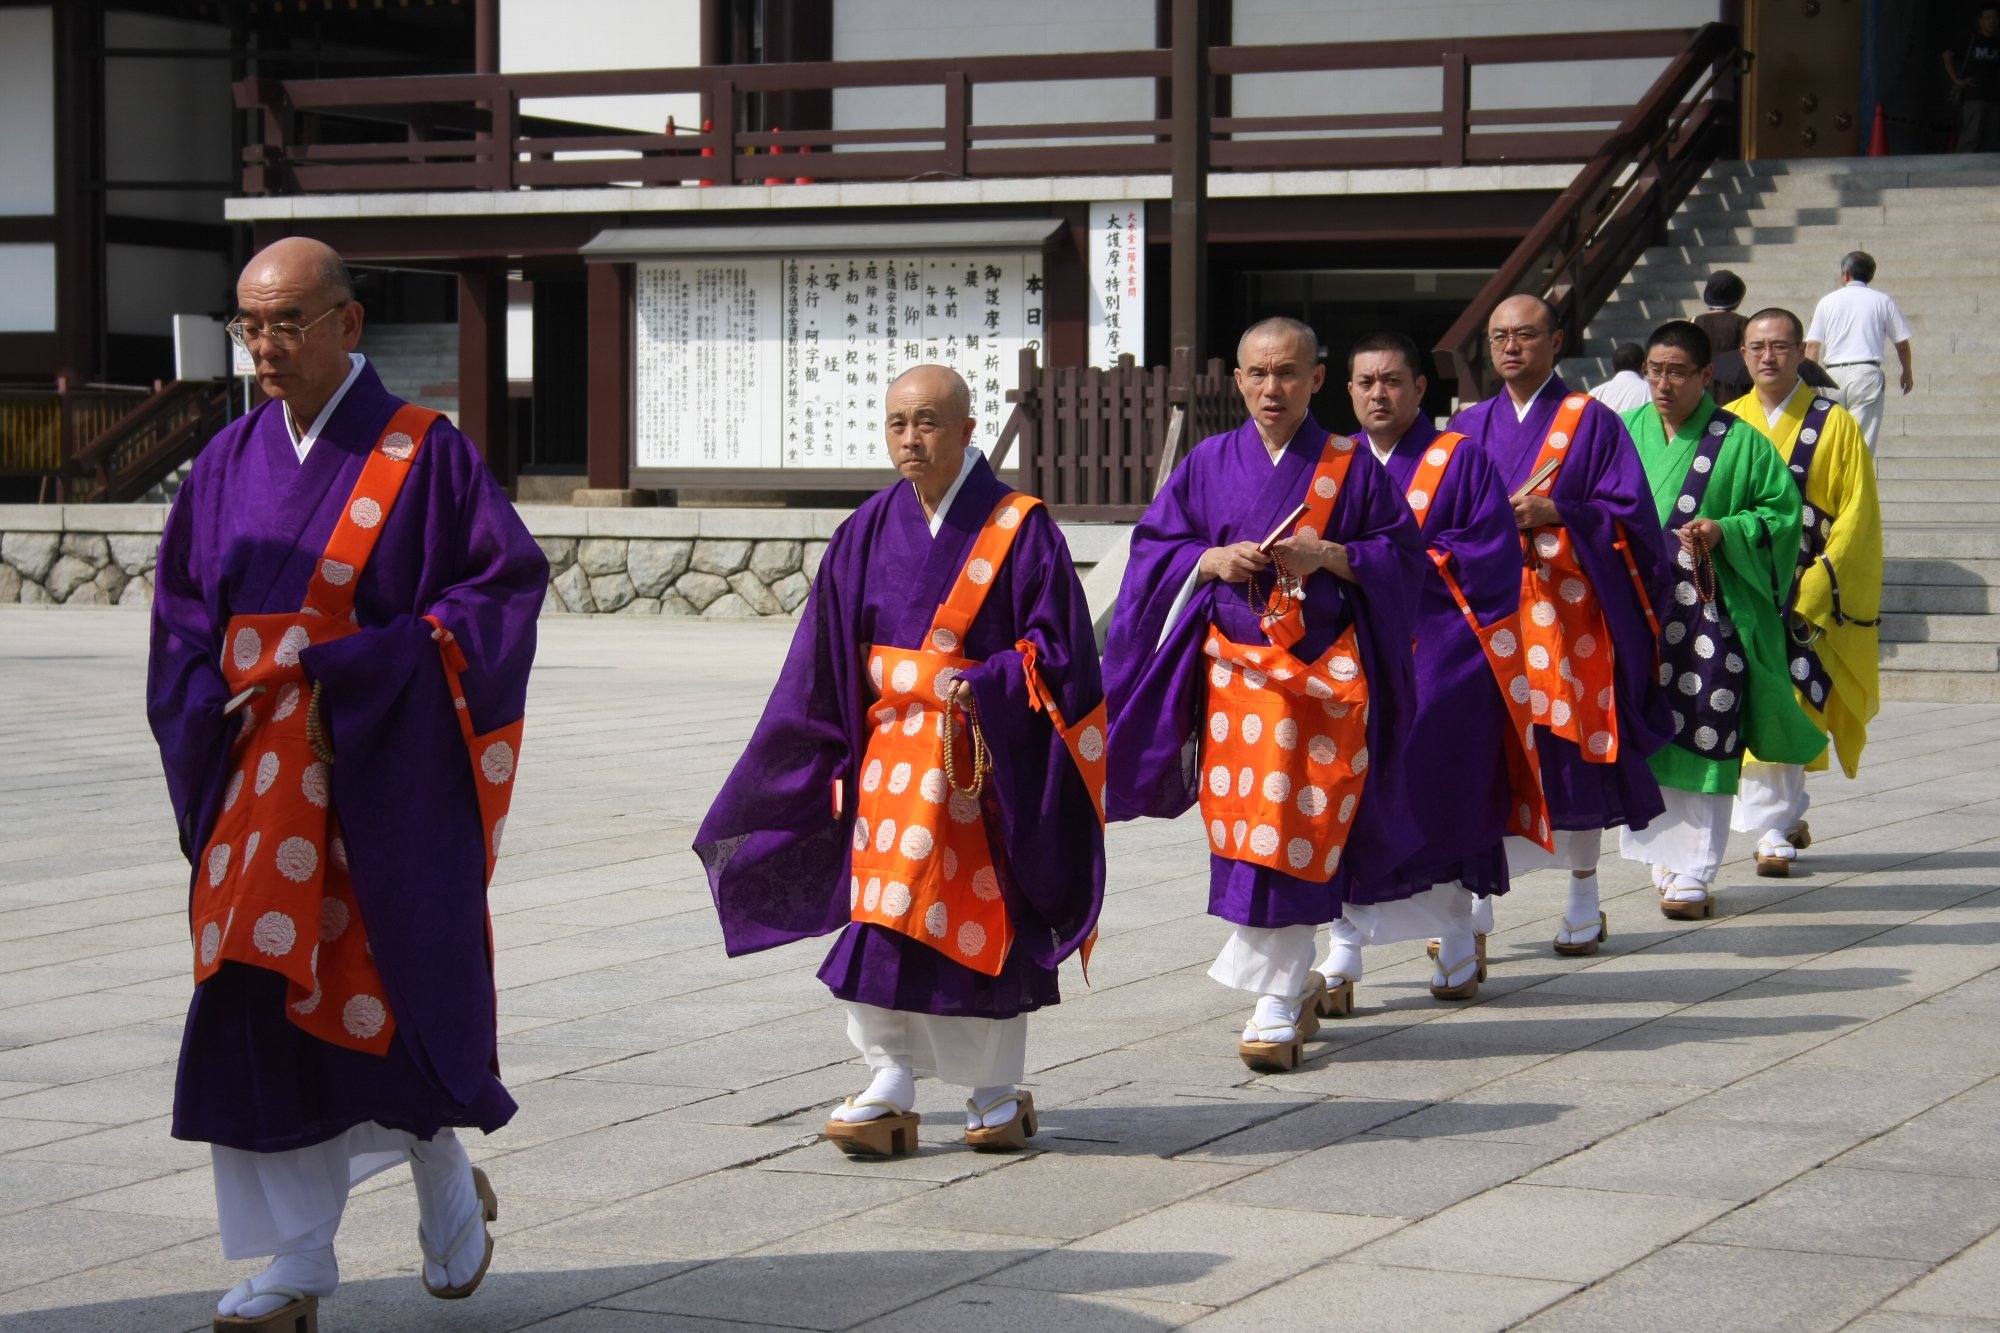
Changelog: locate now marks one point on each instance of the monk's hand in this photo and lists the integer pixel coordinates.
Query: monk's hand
(1536, 511)
(1700, 534)
(960, 694)
(1305, 554)
(1233, 564)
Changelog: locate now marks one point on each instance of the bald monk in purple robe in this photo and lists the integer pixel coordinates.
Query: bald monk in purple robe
(1455, 764)
(783, 834)
(1195, 568)
(293, 1119)
(1602, 499)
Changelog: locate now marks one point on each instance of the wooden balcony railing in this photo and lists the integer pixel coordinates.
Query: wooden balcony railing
(136, 452)
(467, 131)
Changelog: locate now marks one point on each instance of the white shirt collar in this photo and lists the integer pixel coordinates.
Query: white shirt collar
(1521, 410)
(972, 455)
(304, 443)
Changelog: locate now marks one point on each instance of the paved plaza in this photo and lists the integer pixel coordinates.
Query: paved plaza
(1783, 1118)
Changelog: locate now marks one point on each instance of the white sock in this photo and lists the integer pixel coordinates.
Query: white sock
(1580, 916)
(313, 1272)
(446, 1200)
(1276, 1018)
(1000, 1114)
(1458, 951)
(1685, 889)
(1775, 842)
(1482, 915)
(1343, 958)
(894, 1084)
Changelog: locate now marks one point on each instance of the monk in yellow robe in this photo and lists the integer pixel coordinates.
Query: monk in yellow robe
(1836, 598)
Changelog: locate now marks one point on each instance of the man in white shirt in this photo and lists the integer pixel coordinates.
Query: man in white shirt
(1849, 327)
(1625, 389)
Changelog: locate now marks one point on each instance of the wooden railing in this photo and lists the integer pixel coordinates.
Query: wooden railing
(467, 131)
(41, 428)
(1617, 206)
(139, 450)
(1092, 439)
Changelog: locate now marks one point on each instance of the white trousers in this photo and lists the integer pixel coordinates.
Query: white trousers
(971, 1052)
(282, 1202)
(1576, 850)
(1770, 799)
(1275, 960)
(1861, 393)
(1689, 839)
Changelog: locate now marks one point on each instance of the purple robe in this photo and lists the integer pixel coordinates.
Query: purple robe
(1228, 491)
(244, 536)
(1456, 762)
(778, 859)
(1600, 488)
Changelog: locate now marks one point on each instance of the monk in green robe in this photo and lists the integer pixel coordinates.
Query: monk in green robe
(1731, 515)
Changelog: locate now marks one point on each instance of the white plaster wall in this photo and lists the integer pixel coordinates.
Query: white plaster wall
(919, 30)
(543, 35)
(27, 288)
(166, 119)
(148, 285)
(28, 110)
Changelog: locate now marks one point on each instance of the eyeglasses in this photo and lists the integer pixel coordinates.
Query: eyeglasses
(1526, 336)
(1675, 375)
(1775, 349)
(284, 337)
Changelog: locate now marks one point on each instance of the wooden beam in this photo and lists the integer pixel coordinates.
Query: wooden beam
(80, 287)
(1189, 215)
(482, 366)
(609, 412)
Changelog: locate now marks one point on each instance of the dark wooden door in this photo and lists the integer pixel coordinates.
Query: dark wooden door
(1803, 93)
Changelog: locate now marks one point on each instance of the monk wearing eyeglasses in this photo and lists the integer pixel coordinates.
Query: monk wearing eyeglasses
(343, 624)
(1732, 512)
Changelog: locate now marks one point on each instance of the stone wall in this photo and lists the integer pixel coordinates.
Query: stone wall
(719, 563)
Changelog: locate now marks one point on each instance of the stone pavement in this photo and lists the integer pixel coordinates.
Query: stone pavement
(1783, 1118)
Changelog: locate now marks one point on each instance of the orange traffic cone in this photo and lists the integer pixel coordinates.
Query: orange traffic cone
(775, 150)
(707, 150)
(1878, 138)
(803, 180)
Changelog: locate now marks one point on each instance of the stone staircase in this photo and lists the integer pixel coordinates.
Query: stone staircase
(1931, 224)
(410, 356)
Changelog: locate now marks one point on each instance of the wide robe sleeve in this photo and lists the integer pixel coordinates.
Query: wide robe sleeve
(1047, 820)
(1608, 508)
(1843, 485)
(1476, 535)
(773, 845)
(1151, 693)
(402, 775)
(185, 691)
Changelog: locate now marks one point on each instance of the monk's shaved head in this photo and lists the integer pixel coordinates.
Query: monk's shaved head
(942, 384)
(305, 264)
(1278, 326)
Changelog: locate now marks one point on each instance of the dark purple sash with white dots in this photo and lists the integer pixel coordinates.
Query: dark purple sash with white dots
(1701, 660)
(1807, 672)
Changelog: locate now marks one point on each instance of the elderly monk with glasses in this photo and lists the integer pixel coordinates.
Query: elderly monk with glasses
(343, 623)
(1836, 599)
(1595, 572)
(1732, 513)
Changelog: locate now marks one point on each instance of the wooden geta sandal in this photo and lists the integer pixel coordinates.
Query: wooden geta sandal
(891, 1135)
(1582, 948)
(1478, 946)
(488, 1212)
(1010, 1137)
(1464, 990)
(301, 1316)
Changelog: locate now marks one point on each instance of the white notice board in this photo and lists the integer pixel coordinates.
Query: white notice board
(784, 363)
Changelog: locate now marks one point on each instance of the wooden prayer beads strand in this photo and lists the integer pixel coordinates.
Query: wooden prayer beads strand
(1703, 561)
(316, 737)
(982, 758)
(1279, 604)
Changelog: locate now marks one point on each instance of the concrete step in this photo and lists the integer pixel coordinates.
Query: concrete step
(1957, 687)
(1964, 543)
(1982, 465)
(1942, 656)
(1909, 627)
(1939, 600)
(1933, 513)
(1950, 493)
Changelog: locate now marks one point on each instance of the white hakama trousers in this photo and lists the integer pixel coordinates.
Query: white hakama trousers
(284, 1202)
(1576, 850)
(1862, 389)
(1770, 799)
(1275, 960)
(1689, 839)
(971, 1052)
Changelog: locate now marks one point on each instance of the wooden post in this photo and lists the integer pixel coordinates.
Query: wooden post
(610, 387)
(725, 131)
(79, 163)
(1457, 97)
(957, 121)
(1189, 296)
(482, 366)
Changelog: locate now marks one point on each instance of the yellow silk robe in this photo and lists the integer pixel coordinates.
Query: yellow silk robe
(1840, 485)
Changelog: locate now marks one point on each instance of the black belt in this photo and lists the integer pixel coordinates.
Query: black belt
(1836, 365)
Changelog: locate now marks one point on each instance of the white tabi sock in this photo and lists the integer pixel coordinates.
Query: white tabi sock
(1000, 1114)
(1684, 889)
(309, 1272)
(1580, 916)
(446, 1201)
(1458, 951)
(1482, 915)
(1343, 958)
(894, 1084)
(1276, 1018)
(1777, 842)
